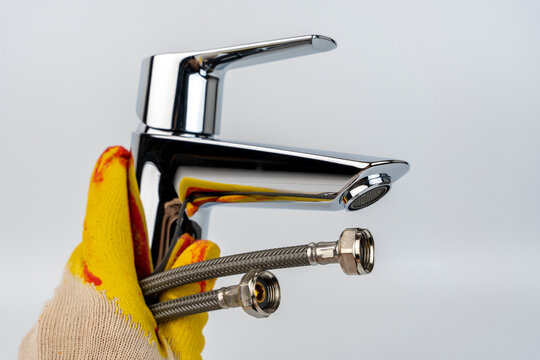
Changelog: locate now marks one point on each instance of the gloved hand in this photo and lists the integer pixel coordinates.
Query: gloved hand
(98, 311)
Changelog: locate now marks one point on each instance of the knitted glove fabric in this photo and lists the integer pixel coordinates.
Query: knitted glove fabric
(98, 310)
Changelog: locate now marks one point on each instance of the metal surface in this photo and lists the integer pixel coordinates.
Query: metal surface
(170, 146)
(169, 158)
(258, 294)
(354, 251)
(182, 92)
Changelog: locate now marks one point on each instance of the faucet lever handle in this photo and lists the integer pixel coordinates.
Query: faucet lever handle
(182, 92)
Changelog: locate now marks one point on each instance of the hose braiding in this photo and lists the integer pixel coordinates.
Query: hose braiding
(193, 304)
(279, 258)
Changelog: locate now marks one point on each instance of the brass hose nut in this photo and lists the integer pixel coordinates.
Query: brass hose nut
(259, 293)
(356, 251)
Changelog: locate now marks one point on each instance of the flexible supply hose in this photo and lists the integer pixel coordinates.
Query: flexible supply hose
(258, 294)
(354, 251)
(189, 305)
(279, 258)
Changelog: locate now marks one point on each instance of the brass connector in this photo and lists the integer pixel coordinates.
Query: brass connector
(354, 251)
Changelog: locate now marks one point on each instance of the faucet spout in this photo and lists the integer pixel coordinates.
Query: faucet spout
(285, 177)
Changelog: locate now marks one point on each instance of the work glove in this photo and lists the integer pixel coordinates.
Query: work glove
(98, 310)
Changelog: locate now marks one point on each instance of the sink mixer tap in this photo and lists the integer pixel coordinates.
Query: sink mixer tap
(176, 147)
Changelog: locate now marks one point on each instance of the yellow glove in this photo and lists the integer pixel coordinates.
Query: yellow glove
(98, 311)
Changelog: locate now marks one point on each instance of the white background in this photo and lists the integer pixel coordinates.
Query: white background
(450, 86)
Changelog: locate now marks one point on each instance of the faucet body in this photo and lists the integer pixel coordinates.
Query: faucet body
(178, 145)
(330, 179)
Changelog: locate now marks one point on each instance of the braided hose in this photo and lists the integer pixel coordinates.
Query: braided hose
(189, 305)
(258, 294)
(279, 258)
(354, 251)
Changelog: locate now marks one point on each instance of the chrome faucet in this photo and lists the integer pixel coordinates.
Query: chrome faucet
(179, 103)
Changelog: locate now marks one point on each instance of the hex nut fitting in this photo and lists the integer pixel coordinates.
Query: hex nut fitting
(356, 251)
(248, 292)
